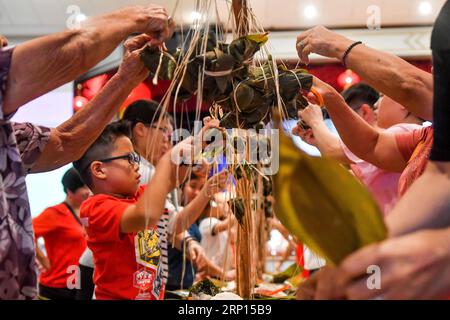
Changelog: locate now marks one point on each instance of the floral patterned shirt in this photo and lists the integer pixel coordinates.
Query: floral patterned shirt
(21, 144)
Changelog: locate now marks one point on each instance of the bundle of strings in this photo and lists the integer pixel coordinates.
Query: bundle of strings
(243, 84)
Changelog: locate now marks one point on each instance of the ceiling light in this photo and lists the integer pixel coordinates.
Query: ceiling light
(425, 8)
(310, 11)
(195, 16)
(80, 17)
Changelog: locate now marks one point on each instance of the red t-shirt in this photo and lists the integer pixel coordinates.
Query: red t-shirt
(415, 147)
(126, 264)
(65, 242)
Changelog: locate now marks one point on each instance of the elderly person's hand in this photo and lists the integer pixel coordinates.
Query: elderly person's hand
(415, 266)
(36, 67)
(322, 285)
(132, 67)
(70, 53)
(324, 89)
(322, 41)
(155, 21)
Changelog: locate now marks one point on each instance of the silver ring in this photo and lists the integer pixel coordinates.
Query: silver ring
(302, 44)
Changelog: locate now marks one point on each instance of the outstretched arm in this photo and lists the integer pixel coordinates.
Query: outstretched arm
(319, 135)
(192, 211)
(148, 209)
(41, 65)
(169, 173)
(398, 79)
(69, 141)
(367, 143)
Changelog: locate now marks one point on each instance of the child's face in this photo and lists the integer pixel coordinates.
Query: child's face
(156, 140)
(121, 176)
(192, 189)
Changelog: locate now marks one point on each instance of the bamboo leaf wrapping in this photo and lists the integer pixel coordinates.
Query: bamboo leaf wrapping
(245, 93)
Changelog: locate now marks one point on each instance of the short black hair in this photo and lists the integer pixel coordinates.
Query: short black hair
(101, 148)
(145, 111)
(72, 181)
(359, 94)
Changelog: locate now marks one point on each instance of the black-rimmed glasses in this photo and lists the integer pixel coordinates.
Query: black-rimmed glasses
(132, 157)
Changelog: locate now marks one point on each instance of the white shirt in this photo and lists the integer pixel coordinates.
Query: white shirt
(166, 222)
(87, 259)
(216, 246)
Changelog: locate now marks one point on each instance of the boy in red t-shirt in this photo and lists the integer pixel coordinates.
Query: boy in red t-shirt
(127, 259)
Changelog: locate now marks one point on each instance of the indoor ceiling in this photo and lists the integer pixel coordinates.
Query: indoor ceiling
(28, 18)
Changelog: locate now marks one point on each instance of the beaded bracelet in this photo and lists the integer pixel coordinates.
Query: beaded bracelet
(344, 58)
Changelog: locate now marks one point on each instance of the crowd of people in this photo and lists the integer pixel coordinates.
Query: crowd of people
(135, 224)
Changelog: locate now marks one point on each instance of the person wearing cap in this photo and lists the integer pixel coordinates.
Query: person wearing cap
(64, 236)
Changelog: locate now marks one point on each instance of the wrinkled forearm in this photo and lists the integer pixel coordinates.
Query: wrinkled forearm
(393, 76)
(426, 205)
(70, 140)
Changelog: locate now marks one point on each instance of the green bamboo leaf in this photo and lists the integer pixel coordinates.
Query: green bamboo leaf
(322, 204)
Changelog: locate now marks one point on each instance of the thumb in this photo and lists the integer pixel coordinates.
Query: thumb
(194, 255)
(137, 42)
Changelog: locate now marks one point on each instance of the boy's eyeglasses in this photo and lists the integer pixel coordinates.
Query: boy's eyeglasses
(164, 130)
(132, 157)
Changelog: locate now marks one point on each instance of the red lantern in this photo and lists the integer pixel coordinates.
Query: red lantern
(347, 79)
